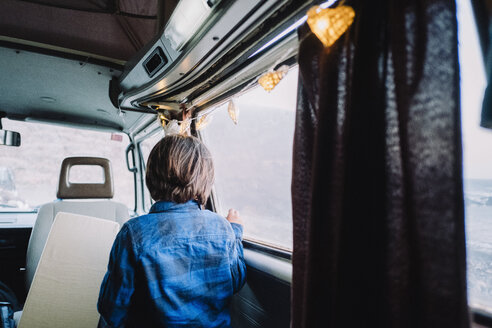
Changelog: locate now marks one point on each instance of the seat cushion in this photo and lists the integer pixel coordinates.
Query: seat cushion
(65, 288)
(103, 209)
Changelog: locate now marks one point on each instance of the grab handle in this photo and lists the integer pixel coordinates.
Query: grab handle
(131, 148)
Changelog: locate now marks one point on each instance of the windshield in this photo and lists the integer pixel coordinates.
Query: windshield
(8, 193)
(29, 174)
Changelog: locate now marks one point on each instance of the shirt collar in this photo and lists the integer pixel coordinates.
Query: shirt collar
(163, 206)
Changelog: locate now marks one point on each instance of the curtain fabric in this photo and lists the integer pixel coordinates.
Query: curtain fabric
(377, 176)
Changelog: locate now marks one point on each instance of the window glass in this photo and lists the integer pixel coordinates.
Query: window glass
(148, 143)
(29, 174)
(477, 151)
(253, 160)
(145, 147)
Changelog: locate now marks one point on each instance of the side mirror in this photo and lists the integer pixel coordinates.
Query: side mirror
(10, 138)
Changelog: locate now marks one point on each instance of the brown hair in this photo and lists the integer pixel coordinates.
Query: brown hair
(180, 169)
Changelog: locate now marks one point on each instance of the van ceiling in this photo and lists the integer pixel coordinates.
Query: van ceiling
(41, 87)
(114, 29)
(58, 57)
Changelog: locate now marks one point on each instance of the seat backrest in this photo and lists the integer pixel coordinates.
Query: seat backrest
(102, 208)
(65, 288)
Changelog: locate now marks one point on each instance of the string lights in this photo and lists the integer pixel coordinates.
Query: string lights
(233, 111)
(329, 24)
(162, 119)
(270, 79)
(202, 122)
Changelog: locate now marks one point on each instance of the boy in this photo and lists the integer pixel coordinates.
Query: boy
(179, 265)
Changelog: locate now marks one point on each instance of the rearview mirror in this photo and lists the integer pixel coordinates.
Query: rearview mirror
(10, 138)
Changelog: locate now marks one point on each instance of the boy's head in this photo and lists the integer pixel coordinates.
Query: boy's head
(180, 169)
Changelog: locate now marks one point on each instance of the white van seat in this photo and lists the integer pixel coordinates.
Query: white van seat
(103, 208)
(65, 288)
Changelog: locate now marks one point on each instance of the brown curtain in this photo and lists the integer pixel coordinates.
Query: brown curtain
(377, 178)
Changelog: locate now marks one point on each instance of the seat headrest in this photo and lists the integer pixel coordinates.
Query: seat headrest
(67, 190)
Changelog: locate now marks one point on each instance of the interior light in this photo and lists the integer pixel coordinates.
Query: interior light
(330, 23)
(186, 19)
(270, 79)
(233, 111)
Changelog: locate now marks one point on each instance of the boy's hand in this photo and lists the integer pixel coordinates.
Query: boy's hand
(233, 217)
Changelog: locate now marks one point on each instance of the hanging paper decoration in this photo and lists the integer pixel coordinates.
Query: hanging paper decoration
(172, 128)
(329, 24)
(270, 79)
(184, 126)
(202, 122)
(233, 111)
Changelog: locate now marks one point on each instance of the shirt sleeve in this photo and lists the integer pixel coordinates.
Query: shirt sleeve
(118, 284)
(238, 267)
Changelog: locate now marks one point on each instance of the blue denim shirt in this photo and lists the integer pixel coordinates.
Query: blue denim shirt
(177, 266)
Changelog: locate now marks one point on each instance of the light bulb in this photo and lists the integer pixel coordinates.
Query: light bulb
(202, 122)
(162, 119)
(270, 79)
(329, 24)
(233, 111)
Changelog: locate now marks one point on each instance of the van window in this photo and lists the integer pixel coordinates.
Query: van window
(29, 174)
(145, 147)
(253, 160)
(477, 144)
